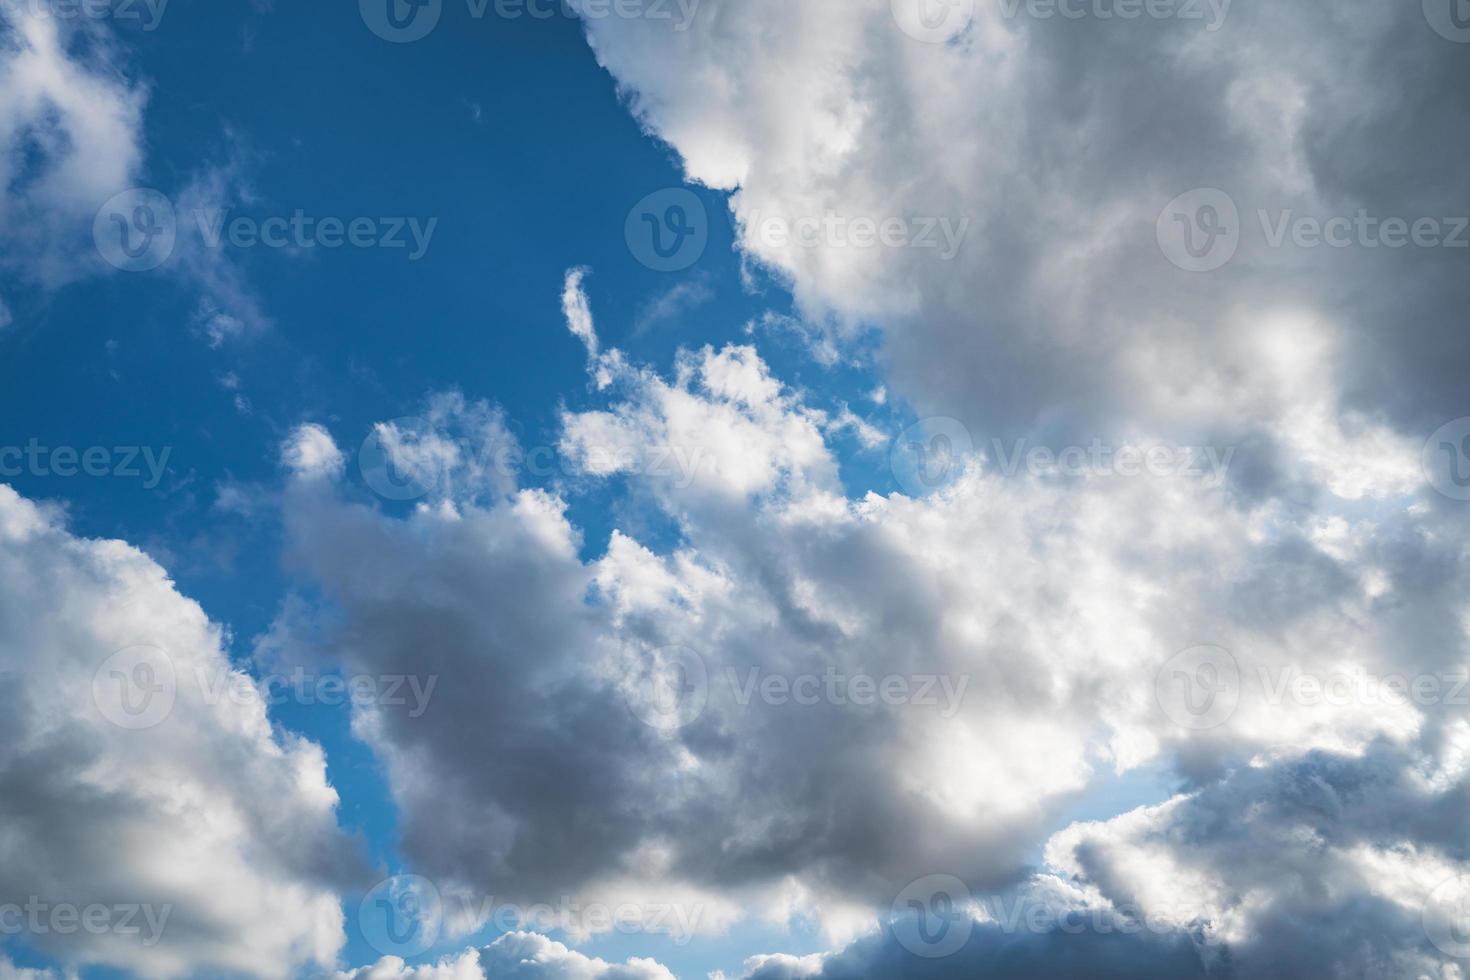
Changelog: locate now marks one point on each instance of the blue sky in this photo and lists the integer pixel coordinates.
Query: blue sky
(1126, 502)
(512, 137)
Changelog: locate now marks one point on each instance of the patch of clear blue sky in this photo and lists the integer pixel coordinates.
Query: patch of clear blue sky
(511, 136)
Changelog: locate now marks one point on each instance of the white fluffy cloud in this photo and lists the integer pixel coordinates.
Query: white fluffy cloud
(1042, 610)
(1060, 141)
(124, 783)
(70, 138)
(515, 956)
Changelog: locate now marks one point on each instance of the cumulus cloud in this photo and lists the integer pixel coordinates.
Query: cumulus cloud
(1038, 612)
(516, 956)
(1061, 141)
(70, 138)
(128, 782)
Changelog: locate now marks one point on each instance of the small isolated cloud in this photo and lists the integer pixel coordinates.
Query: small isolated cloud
(673, 303)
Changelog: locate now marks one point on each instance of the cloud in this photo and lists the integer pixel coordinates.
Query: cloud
(516, 956)
(70, 138)
(127, 785)
(1039, 611)
(673, 303)
(1061, 141)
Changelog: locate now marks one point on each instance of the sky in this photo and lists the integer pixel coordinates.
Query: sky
(632, 489)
